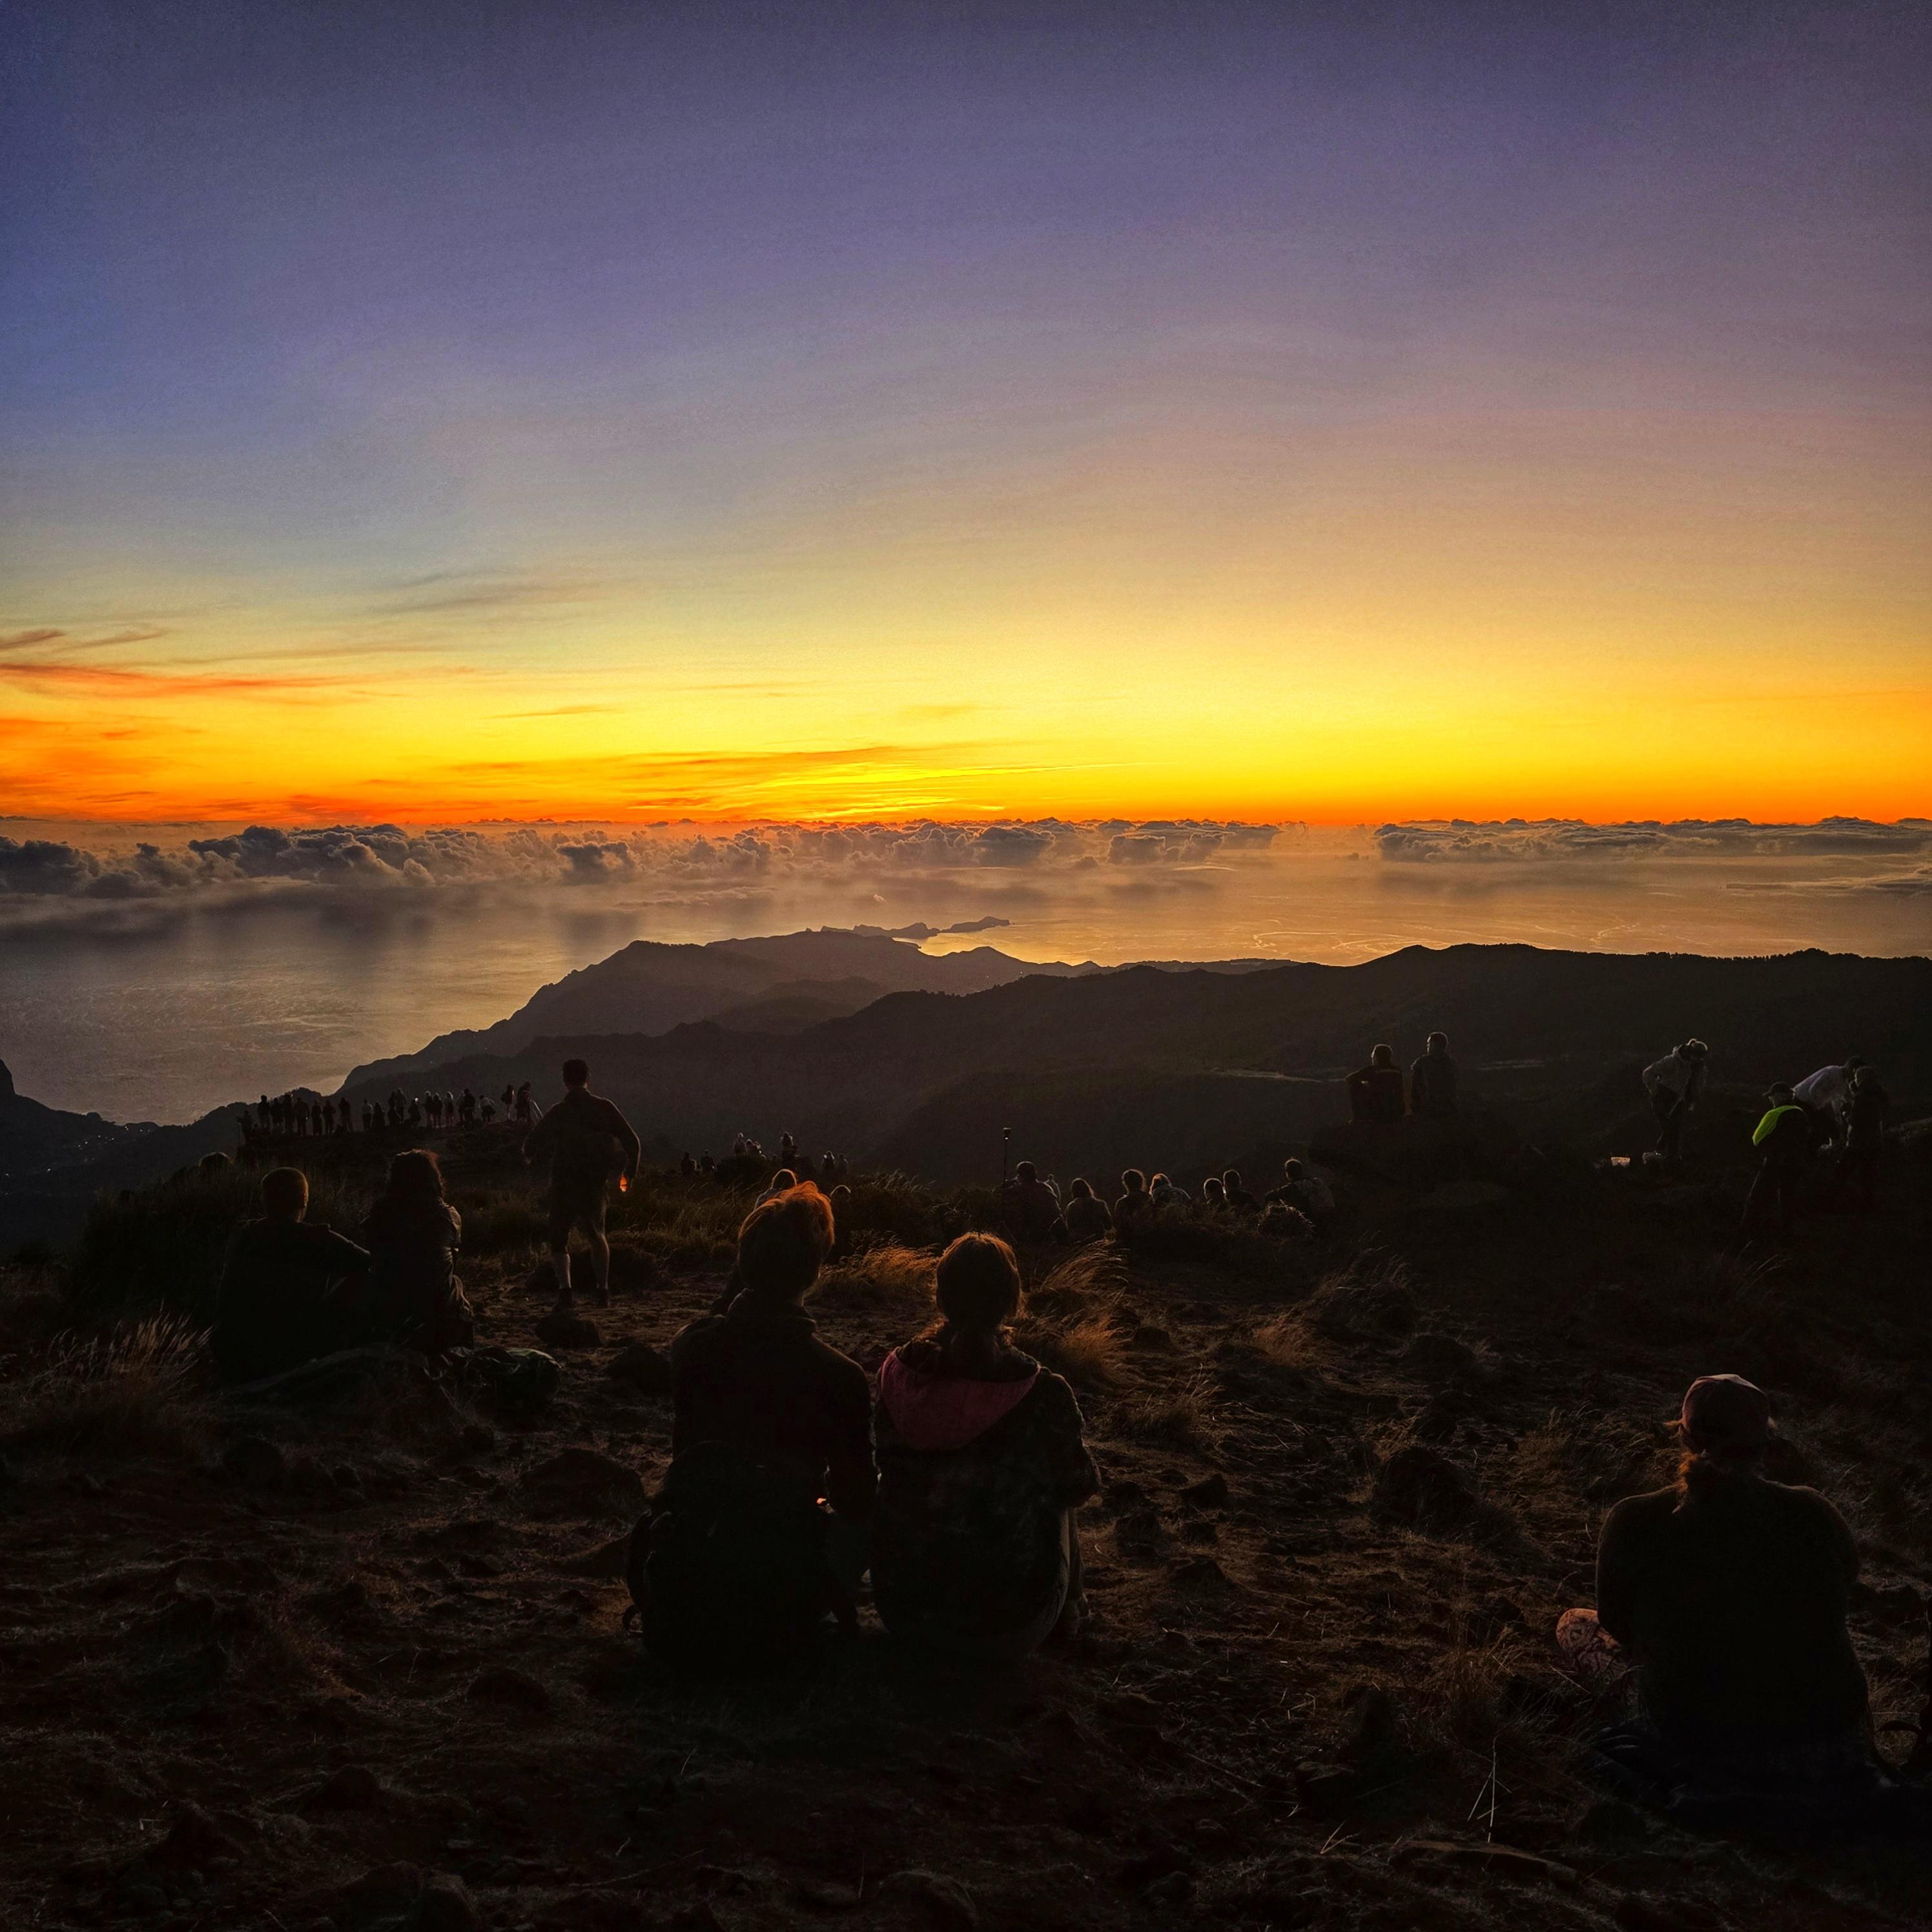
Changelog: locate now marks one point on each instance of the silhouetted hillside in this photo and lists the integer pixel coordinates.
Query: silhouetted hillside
(649, 988)
(1190, 1067)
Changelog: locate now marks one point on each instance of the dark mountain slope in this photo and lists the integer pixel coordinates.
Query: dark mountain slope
(1536, 1031)
(649, 988)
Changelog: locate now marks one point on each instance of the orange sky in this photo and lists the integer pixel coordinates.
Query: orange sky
(1297, 419)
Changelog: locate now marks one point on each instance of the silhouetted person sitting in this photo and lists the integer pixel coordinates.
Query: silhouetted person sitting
(1030, 1208)
(687, 1167)
(413, 1235)
(760, 1527)
(588, 1143)
(706, 1164)
(788, 1150)
(1168, 1197)
(1785, 1138)
(1134, 1202)
(1675, 1083)
(1214, 1195)
(1858, 1164)
(1306, 1193)
(1236, 1195)
(1085, 1216)
(982, 1464)
(1728, 1592)
(281, 1302)
(1374, 1091)
(1432, 1081)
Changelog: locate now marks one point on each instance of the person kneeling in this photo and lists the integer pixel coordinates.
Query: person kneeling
(1728, 1591)
(982, 1464)
(759, 1531)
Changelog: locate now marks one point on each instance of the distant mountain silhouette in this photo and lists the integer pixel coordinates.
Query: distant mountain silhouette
(649, 988)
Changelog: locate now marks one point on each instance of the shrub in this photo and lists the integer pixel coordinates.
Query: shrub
(139, 1389)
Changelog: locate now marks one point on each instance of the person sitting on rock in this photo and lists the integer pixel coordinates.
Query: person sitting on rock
(982, 1463)
(1234, 1190)
(762, 1526)
(1432, 1081)
(1133, 1203)
(413, 1235)
(284, 1286)
(1085, 1216)
(587, 1143)
(1786, 1139)
(1029, 1206)
(1728, 1592)
(1675, 1083)
(1374, 1091)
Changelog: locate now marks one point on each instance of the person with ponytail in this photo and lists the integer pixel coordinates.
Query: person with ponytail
(1728, 1591)
(983, 1462)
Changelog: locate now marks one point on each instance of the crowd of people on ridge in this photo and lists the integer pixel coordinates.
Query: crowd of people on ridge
(956, 1480)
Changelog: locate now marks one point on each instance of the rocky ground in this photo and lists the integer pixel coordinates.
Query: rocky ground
(367, 1667)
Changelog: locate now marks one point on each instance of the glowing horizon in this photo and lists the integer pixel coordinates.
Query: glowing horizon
(621, 419)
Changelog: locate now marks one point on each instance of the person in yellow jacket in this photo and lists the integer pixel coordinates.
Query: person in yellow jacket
(1785, 1138)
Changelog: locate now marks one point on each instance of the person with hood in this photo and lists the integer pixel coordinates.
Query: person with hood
(1728, 1591)
(983, 1461)
(1432, 1081)
(1785, 1139)
(760, 1529)
(587, 1142)
(413, 1235)
(282, 1287)
(1675, 1083)
(1086, 1216)
(1374, 1091)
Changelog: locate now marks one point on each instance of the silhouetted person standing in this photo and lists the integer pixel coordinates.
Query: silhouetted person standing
(1675, 1083)
(1786, 1139)
(1865, 1138)
(588, 1143)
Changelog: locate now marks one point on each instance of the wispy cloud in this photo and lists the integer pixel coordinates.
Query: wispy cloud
(138, 681)
(488, 589)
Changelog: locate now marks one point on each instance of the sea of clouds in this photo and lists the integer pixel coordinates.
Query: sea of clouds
(40, 874)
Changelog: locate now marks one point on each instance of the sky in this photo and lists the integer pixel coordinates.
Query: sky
(1333, 413)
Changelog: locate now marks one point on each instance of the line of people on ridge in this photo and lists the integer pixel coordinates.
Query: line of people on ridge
(1033, 1210)
(295, 1116)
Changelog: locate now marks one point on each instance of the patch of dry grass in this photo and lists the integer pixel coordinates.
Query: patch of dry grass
(139, 1390)
(889, 1277)
(1179, 1414)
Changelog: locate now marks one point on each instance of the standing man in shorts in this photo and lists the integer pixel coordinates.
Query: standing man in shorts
(586, 1141)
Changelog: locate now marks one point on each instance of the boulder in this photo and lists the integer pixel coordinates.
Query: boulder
(641, 1366)
(565, 1328)
(584, 1483)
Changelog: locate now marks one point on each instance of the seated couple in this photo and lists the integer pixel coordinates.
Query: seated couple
(774, 1506)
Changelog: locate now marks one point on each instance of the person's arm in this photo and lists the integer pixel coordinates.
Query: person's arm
(851, 1476)
(1616, 1578)
(455, 1231)
(343, 1256)
(627, 1138)
(1075, 1475)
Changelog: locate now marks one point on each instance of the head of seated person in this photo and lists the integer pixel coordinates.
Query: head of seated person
(284, 1194)
(783, 1243)
(414, 1176)
(1079, 1191)
(976, 1287)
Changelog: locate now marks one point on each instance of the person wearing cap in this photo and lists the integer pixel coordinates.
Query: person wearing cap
(1675, 1083)
(1728, 1591)
(1785, 1139)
